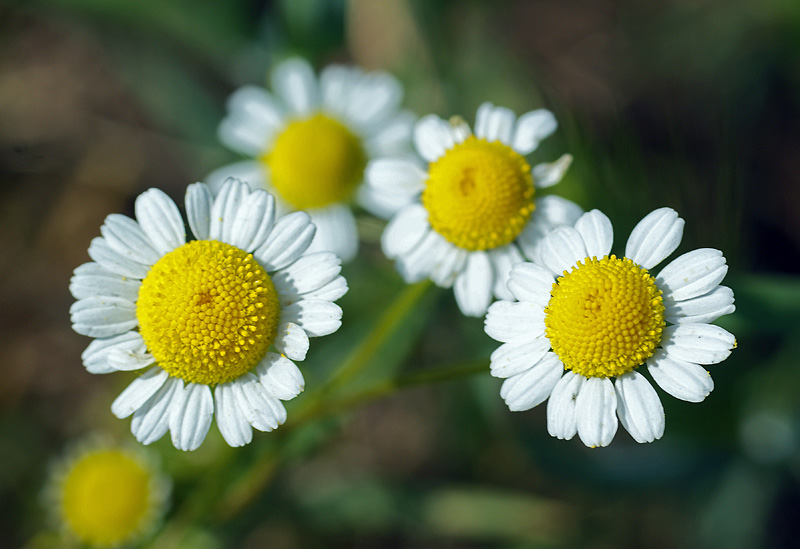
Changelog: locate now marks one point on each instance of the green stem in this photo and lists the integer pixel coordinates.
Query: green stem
(254, 481)
(391, 319)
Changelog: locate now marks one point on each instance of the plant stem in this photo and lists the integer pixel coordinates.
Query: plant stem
(254, 480)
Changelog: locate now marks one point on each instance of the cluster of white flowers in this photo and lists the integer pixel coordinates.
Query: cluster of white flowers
(217, 323)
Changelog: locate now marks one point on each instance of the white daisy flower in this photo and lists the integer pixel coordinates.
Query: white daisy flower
(310, 140)
(204, 316)
(471, 212)
(104, 495)
(585, 317)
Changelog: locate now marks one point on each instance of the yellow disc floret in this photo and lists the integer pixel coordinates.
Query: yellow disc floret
(315, 162)
(208, 312)
(605, 317)
(105, 498)
(479, 195)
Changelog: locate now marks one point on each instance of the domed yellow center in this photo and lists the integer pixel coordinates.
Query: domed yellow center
(315, 162)
(605, 317)
(208, 312)
(105, 497)
(479, 195)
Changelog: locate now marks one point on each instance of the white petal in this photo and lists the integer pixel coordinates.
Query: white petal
(532, 127)
(336, 231)
(126, 238)
(655, 237)
(551, 173)
(395, 176)
(281, 377)
(596, 412)
(555, 211)
(692, 274)
(473, 287)
(639, 408)
(190, 415)
(699, 343)
(514, 322)
(253, 221)
(102, 253)
(224, 209)
(315, 316)
(138, 392)
(261, 410)
(258, 116)
(494, 123)
(551, 211)
(336, 84)
(561, 420)
(562, 249)
(374, 97)
(405, 230)
(252, 172)
(231, 421)
(126, 360)
(392, 137)
(597, 233)
(160, 220)
(95, 356)
(331, 291)
(308, 273)
(503, 259)
(151, 421)
(683, 380)
(288, 240)
(530, 282)
(432, 137)
(103, 316)
(92, 279)
(236, 132)
(703, 309)
(448, 265)
(514, 358)
(292, 341)
(198, 209)
(381, 204)
(294, 82)
(532, 387)
(420, 260)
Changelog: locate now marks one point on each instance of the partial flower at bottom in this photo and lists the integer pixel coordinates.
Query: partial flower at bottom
(584, 322)
(105, 495)
(218, 322)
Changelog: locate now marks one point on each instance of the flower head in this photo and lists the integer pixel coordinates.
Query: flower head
(584, 322)
(472, 211)
(106, 495)
(226, 314)
(310, 140)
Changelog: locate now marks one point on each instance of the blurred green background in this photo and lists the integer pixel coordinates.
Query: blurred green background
(693, 104)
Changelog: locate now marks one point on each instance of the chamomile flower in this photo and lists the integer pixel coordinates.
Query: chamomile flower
(104, 495)
(471, 212)
(218, 322)
(585, 321)
(310, 140)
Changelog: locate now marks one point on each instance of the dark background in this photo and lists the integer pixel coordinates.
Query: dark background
(693, 104)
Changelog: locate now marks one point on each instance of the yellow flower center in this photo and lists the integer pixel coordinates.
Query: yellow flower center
(105, 497)
(315, 162)
(605, 317)
(208, 312)
(479, 195)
